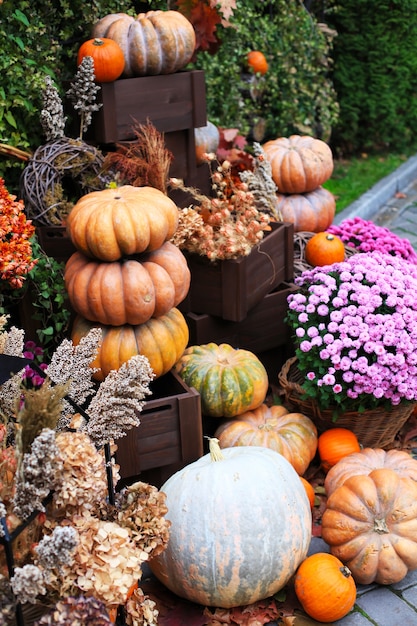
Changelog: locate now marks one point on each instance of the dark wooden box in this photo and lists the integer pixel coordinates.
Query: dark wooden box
(230, 289)
(55, 242)
(262, 329)
(169, 435)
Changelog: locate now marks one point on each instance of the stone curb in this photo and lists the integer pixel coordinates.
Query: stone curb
(367, 205)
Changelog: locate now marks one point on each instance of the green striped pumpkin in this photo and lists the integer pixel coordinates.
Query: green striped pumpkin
(229, 380)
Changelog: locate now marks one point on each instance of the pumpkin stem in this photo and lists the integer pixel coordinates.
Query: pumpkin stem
(345, 571)
(214, 448)
(98, 42)
(380, 526)
(329, 237)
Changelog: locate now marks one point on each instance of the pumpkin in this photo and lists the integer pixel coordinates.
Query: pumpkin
(162, 340)
(129, 291)
(309, 489)
(313, 212)
(240, 526)
(257, 62)
(112, 223)
(324, 249)
(156, 42)
(370, 524)
(365, 461)
(108, 58)
(229, 380)
(299, 163)
(291, 434)
(325, 587)
(335, 444)
(207, 139)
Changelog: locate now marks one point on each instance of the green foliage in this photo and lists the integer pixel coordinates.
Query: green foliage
(375, 73)
(295, 96)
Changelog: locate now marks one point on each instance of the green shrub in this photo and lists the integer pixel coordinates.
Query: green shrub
(374, 73)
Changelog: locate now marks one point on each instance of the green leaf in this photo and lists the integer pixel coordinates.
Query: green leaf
(21, 17)
(9, 117)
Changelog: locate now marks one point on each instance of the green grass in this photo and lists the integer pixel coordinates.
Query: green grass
(353, 177)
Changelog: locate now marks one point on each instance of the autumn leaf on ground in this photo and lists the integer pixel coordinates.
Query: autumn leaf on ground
(256, 614)
(226, 8)
(301, 620)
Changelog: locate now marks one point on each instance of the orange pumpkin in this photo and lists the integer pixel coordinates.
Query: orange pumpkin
(312, 212)
(325, 587)
(365, 461)
(108, 58)
(162, 340)
(129, 291)
(156, 42)
(370, 524)
(257, 61)
(309, 489)
(112, 223)
(335, 444)
(299, 163)
(291, 434)
(324, 249)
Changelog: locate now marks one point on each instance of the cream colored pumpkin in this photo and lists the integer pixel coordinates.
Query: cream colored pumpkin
(240, 526)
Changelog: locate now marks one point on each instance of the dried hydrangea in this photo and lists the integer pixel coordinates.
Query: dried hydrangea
(141, 610)
(83, 93)
(12, 341)
(7, 602)
(57, 548)
(38, 474)
(77, 611)
(3, 513)
(118, 402)
(143, 510)
(52, 115)
(28, 583)
(106, 563)
(83, 485)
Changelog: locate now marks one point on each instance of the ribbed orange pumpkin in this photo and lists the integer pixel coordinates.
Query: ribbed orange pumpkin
(324, 249)
(365, 461)
(130, 291)
(325, 587)
(229, 380)
(299, 163)
(162, 340)
(291, 434)
(240, 526)
(370, 524)
(108, 58)
(112, 223)
(156, 42)
(312, 212)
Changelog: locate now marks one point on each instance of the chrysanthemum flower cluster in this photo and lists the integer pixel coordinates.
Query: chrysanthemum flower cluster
(15, 246)
(355, 331)
(366, 236)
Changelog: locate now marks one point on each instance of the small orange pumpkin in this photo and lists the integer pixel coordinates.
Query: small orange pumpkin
(324, 249)
(257, 61)
(108, 58)
(334, 444)
(309, 491)
(291, 434)
(325, 587)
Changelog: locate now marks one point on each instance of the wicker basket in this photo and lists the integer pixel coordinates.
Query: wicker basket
(300, 241)
(376, 428)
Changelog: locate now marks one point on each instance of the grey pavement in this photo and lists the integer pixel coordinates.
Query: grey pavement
(391, 203)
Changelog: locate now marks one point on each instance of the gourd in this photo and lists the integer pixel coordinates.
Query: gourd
(324, 249)
(291, 434)
(365, 461)
(299, 163)
(156, 42)
(112, 223)
(207, 139)
(335, 444)
(162, 340)
(325, 587)
(370, 524)
(240, 526)
(309, 489)
(108, 58)
(229, 380)
(257, 61)
(129, 291)
(312, 212)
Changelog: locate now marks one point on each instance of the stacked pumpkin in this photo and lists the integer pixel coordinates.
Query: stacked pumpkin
(127, 277)
(300, 165)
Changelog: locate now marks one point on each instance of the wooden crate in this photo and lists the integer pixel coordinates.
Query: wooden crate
(169, 435)
(262, 329)
(55, 242)
(230, 289)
